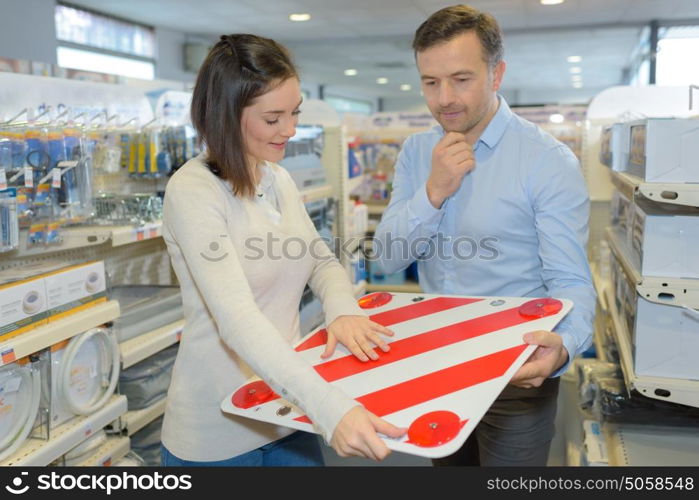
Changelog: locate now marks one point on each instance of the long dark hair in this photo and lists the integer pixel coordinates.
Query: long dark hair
(237, 70)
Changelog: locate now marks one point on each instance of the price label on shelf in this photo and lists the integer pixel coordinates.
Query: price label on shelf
(7, 356)
(28, 177)
(56, 178)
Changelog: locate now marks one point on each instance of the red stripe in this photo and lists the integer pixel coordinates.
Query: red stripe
(398, 315)
(437, 384)
(418, 344)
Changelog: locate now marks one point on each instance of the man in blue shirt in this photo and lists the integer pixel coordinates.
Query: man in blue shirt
(491, 205)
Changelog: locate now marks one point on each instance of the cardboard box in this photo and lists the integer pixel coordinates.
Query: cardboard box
(72, 289)
(595, 444)
(664, 241)
(664, 149)
(36, 294)
(23, 306)
(620, 211)
(664, 338)
(614, 146)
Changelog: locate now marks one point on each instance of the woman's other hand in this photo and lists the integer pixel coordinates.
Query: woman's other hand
(358, 334)
(356, 435)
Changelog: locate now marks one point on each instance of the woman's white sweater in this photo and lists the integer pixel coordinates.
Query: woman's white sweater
(242, 277)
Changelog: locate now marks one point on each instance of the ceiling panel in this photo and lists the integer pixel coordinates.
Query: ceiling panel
(366, 34)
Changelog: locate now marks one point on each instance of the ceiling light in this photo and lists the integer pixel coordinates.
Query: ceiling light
(405, 87)
(557, 118)
(576, 69)
(574, 59)
(299, 17)
(350, 72)
(382, 81)
(576, 78)
(577, 85)
(551, 2)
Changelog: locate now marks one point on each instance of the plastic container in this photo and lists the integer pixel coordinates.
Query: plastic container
(147, 382)
(145, 308)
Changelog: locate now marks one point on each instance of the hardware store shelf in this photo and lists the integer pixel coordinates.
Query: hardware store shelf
(58, 330)
(139, 348)
(67, 436)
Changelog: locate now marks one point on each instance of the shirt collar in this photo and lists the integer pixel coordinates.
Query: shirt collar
(495, 129)
(267, 178)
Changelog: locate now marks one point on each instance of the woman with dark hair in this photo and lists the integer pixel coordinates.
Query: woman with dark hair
(229, 216)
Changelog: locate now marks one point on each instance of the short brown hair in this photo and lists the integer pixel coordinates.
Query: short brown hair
(237, 70)
(448, 23)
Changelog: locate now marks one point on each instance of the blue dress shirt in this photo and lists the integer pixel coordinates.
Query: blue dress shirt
(517, 226)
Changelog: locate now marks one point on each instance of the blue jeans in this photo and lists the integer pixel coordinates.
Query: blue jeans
(300, 449)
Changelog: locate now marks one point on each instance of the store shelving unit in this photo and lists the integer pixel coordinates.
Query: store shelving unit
(376, 209)
(71, 238)
(666, 291)
(651, 445)
(316, 193)
(65, 437)
(666, 389)
(124, 235)
(87, 236)
(408, 287)
(113, 450)
(354, 182)
(56, 331)
(674, 193)
(139, 348)
(135, 420)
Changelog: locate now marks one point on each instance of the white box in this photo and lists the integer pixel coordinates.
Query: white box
(614, 146)
(23, 307)
(72, 288)
(621, 209)
(664, 242)
(666, 341)
(665, 338)
(664, 149)
(595, 444)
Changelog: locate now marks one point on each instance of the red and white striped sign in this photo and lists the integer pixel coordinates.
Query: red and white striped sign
(450, 358)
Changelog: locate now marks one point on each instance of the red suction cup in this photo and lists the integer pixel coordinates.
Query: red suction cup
(373, 300)
(539, 308)
(253, 394)
(434, 429)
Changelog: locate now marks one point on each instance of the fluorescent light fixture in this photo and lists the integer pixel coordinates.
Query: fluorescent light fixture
(405, 87)
(576, 78)
(299, 17)
(575, 70)
(551, 2)
(350, 72)
(577, 85)
(382, 81)
(557, 118)
(574, 59)
(102, 63)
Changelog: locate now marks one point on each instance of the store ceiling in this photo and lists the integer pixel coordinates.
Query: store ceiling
(374, 36)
